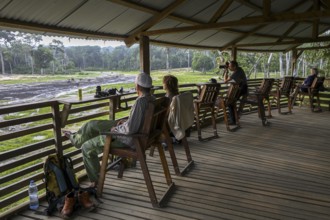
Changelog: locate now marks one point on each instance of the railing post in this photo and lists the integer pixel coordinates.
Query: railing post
(57, 128)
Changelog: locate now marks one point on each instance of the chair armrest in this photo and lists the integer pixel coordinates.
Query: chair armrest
(116, 134)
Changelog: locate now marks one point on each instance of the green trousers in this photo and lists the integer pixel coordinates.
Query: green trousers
(91, 142)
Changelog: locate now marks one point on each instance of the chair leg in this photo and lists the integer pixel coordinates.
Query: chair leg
(197, 123)
(171, 151)
(225, 116)
(104, 165)
(214, 123)
(147, 177)
(278, 99)
(269, 108)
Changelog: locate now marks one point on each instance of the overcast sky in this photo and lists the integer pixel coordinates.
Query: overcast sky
(80, 42)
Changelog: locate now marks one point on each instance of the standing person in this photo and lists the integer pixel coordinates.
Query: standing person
(238, 75)
(89, 137)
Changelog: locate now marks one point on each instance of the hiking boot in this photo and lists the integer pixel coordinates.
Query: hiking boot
(68, 204)
(84, 201)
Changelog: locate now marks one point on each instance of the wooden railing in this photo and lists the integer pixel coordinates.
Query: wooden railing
(31, 132)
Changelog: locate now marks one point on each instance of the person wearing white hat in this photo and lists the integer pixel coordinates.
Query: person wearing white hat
(90, 141)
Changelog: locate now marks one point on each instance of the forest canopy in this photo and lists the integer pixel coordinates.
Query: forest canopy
(24, 53)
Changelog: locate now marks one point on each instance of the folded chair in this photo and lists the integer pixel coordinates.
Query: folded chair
(230, 99)
(285, 89)
(149, 135)
(312, 92)
(208, 94)
(258, 96)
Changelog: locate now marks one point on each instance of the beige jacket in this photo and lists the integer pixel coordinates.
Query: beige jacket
(181, 115)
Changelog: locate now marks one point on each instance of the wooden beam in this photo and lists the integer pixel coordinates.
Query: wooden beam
(288, 31)
(294, 59)
(144, 55)
(315, 30)
(151, 22)
(232, 43)
(266, 8)
(220, 11)
(249, 4)
(78, 33)
(153, 11)
(299, 41)
(314, 48)
(280, 17)
(233, 53)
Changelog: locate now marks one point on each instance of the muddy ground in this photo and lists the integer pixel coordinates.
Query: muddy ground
(32, 92)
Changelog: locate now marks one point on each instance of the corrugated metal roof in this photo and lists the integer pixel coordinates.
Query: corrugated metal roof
(280, 25)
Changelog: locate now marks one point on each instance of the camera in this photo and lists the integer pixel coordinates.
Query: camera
(224, 66)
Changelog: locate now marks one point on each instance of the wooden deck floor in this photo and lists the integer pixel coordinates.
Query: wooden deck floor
(276, 172)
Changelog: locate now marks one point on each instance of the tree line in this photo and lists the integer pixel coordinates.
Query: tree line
(24, 53)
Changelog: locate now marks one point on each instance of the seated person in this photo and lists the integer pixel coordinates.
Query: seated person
(171, 86)
(309, 80)
(305, 85)
(239, 77)
(90, 141)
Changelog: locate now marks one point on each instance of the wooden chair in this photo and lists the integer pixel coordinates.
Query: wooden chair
(312, 92)
(181, 117)
(229, 99)
(149, 135)
(285, 89)
(205, 103)
(257, 98)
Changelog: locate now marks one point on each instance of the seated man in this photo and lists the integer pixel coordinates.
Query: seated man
(309, 80)
(90, 141)
(305, 85)
(239, 77)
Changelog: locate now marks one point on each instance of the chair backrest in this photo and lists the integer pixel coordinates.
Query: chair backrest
(286, 85)
(266, 86)
(317, 84)
(232, 93)
(154, 121)
(208, 93)
(181, 114)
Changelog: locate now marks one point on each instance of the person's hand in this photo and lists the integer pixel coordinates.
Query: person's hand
(120, 122)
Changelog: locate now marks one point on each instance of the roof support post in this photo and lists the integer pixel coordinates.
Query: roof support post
(144, 54)
(294, 61)
(233, 53)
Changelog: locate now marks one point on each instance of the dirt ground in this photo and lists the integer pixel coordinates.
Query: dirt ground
(32, 92)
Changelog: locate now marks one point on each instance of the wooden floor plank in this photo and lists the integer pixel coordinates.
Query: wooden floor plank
(277, 172)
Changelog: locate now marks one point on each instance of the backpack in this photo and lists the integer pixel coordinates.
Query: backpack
(60, 180)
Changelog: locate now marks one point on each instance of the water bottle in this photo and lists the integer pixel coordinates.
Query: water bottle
(33, 194)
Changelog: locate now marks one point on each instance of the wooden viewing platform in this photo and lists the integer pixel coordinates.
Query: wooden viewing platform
(276, 172)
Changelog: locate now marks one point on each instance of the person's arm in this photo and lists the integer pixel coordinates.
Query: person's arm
(132, 125)
(226, 77)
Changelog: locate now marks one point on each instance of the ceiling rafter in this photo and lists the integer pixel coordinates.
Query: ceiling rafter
(153, 11)
(280, 17)
(315, 30)
(232, 43)
(249, 4)
(220, 11)
(134, 37)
